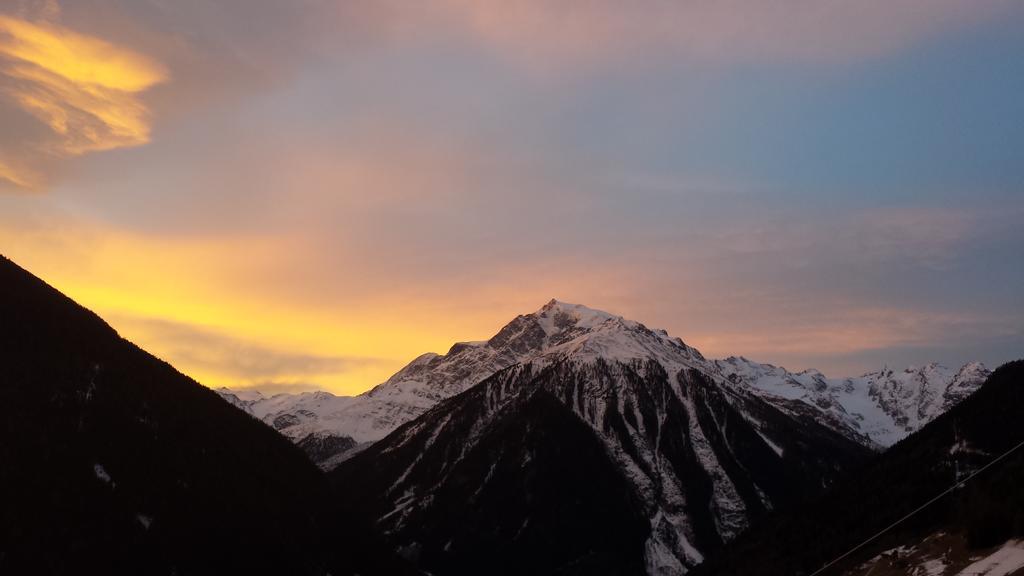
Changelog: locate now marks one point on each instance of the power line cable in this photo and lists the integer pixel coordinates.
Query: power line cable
(958, 484)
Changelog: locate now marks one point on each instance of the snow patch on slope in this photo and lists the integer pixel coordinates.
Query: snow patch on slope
(1002, 562)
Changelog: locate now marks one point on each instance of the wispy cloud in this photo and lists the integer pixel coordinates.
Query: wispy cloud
(21, 178)
(929, 237)
(854, 337)
(84, 89)
(919, 236)
(851, 328)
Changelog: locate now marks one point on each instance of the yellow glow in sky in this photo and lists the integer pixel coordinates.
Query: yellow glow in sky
(182, 300)
(337, 188)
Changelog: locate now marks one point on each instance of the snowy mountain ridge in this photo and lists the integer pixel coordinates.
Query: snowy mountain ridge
(876, 409)
(885, 406)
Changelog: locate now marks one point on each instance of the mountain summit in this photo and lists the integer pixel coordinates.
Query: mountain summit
(556, 330)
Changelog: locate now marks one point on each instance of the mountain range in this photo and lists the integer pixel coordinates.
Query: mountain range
(876, 409)
(696, 449)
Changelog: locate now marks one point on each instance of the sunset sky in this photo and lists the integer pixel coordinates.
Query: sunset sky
(308, 194)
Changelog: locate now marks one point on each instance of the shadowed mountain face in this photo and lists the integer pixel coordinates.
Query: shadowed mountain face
(587, 466)
(986, 512)
(115, 463)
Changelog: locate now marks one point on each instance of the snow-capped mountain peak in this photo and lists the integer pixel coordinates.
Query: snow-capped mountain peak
(560, 329)
(562, 322)
(554, 324)
(557, 331)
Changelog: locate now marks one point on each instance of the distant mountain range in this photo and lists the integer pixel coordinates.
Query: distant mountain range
(879, 408)
(974, 530)
(876, 409)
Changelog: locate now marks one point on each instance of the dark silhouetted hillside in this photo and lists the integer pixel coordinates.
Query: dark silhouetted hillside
(112, 462)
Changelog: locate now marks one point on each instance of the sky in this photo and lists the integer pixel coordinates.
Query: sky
(309, 194)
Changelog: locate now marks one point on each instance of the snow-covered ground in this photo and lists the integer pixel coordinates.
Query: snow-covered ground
(944, 554)
(1003, 562)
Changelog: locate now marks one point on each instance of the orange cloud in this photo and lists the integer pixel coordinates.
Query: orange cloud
(86, 90)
